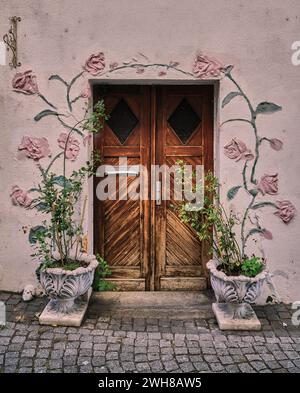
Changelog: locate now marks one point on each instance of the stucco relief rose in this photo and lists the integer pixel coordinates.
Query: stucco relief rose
(73, 145)
(268, 184)
(20, 197)
(204, 67)
(285, 210)
(95, 64)
(35, 148)
(236, 150)
(25, 82)
(86, 93)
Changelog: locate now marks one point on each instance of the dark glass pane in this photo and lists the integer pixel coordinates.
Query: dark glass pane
(122, 120)
(184, 120)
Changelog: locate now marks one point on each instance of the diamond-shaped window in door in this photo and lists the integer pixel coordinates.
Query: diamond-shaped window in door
(122, 120)
(184, 120)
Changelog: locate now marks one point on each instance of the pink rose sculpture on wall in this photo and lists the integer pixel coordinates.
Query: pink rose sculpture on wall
(25, 82)
(285, 210)
(95, 64)
(268, 184)
(86, 93)
(276, 144)
(236, 150)
(73, 145)
(19, 197)
(35, 148)
(204, 67)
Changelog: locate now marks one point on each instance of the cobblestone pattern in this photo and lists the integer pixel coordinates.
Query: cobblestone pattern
(106, 343)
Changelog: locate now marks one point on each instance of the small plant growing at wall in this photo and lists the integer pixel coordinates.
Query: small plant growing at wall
(102, 272)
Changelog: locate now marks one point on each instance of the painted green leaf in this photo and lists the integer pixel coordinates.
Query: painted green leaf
(267, 107)
(261, 204)
(34, 189)
(253, 192)
(228, 69)
(34, 231)
(46, 112)
(232, 192)
(60, 180)
(229, 97)
(70, 128)
(41, 206)
(57, 77)
(253, 231)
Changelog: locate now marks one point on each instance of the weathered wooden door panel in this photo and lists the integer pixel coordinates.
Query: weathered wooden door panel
(184, 126)
(146, 245)
(121, 226)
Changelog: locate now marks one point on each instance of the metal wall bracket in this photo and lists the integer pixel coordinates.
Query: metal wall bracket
(10, 40)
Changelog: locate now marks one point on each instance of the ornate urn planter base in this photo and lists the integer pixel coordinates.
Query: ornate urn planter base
(240, 316)
(50, 316)
(69, 293)
(234, 295)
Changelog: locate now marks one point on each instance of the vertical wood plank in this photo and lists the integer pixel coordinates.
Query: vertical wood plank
(145, 208)
(153, 124)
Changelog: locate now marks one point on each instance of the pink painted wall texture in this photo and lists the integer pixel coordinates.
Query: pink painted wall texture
(64, 46)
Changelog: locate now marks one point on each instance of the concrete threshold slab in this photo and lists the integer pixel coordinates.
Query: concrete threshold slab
(170, 305)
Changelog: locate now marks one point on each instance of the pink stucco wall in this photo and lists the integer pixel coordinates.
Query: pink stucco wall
(56, 37)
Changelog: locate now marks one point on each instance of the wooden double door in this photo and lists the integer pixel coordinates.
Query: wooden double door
(144, 242)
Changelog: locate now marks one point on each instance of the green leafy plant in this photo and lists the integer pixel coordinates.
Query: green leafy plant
(57, 198)
(213, 225)
(102, 272)
(251, 267)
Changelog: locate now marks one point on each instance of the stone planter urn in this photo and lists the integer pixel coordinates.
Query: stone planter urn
(235, 289)
(64, 287)
(234, 295)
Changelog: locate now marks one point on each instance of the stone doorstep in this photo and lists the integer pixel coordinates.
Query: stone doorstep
(166, 305)
(75, 318)
(227, 318)
(157, 304)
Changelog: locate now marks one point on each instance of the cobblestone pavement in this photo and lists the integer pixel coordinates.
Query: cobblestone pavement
(108, 343)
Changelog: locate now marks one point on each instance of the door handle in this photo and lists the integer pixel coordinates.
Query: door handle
(158, 193)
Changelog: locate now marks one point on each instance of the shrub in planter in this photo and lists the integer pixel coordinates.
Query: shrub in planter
(64, 271)
(235, 277)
